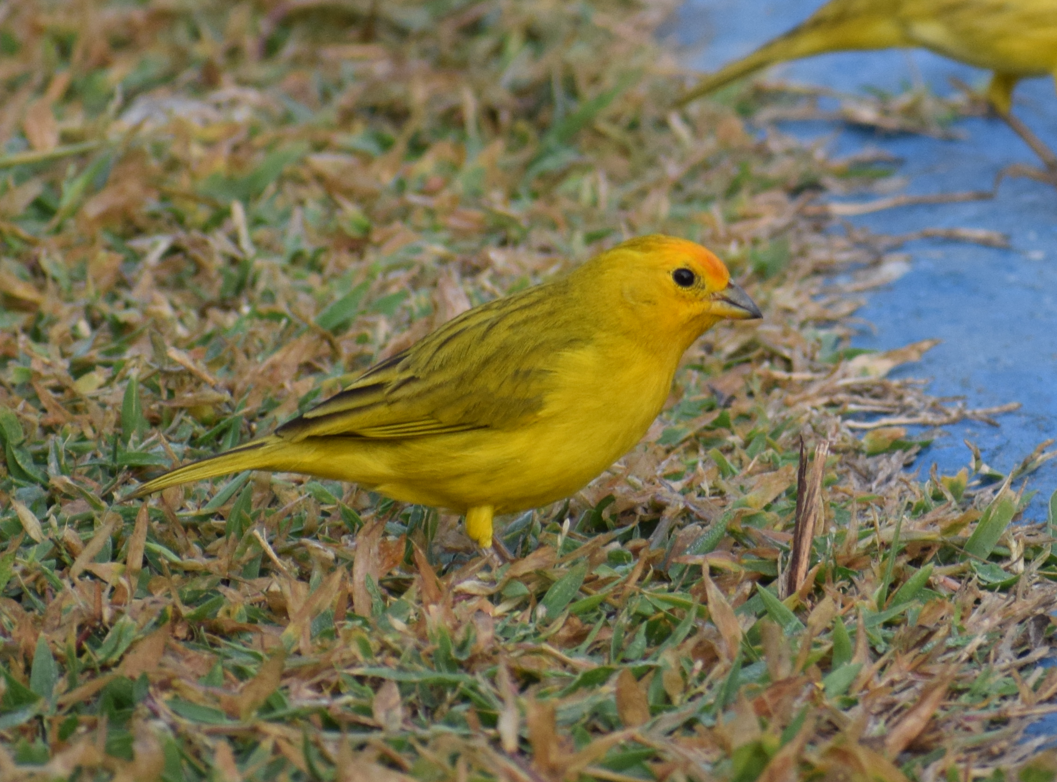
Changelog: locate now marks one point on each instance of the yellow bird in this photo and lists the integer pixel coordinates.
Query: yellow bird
(515, 403)
(1014, 39)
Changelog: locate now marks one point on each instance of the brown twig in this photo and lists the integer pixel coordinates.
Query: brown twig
(951, 417)
(972, 235)
(893, 202)
(808, 514)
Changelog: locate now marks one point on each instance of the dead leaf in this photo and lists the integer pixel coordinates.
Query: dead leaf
(387, 707)
(95, 545)
(40, 127)
(633, 707)
(548, 750)
(671, 673)
(854, 761)
(137, 543)
(784, 766)
(29, 520)
(917, 718)
(146, 654)
(880, 440)
(148, 757)
(776, 650)
(72, 541)
(345, 174)
(90, 382)
(880, 364)
(509, 717)
(769, 486)
(14, 202)
(258, 689)
(366, 563)
(743, 726)
(119, 200)
(723, 617)
(224, 762)
(357, 767)
(87, 690)
(449, 296)
(65, 764)
(297, 631)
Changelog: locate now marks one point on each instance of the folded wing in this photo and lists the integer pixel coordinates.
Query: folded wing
(491, 367)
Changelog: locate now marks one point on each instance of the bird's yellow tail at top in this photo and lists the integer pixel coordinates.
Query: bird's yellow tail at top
(251, 456)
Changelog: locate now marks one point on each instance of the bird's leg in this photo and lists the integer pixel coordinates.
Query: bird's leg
(501, 552)
(1047, 175)
(479, 528)
(999, 96)
(1044, 175)
(479, 525)
(1049, 159)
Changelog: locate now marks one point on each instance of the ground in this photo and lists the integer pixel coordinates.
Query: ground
(210, 219)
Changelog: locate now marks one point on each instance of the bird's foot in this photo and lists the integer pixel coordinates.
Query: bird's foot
(1045, 175)
(1046, 155)
(500, 552)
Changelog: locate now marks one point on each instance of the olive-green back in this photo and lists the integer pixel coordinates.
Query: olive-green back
(489, 367)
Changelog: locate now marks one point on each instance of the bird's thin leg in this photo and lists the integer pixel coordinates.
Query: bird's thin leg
(1046, 175)
(999, 97)
(479, 528)
(1037, 145)
(501, 552)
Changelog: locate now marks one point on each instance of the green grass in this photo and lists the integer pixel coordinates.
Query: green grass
(210, 218)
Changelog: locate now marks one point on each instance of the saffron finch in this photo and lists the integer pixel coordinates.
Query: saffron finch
(1014, 39)
(515, 403)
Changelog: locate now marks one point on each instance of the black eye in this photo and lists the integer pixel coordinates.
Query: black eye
(684, 278)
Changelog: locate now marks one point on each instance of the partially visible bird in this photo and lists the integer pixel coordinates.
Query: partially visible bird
(1014, 39)
(515, 403)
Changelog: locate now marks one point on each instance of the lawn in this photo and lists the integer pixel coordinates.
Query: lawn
(211, 218)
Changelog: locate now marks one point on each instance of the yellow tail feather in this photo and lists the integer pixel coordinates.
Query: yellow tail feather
(818, 35)
(256, 455)
(732, 72)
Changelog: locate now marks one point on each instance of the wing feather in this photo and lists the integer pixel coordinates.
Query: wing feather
(491, 367)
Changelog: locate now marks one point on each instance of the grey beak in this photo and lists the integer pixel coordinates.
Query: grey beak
(741, 306)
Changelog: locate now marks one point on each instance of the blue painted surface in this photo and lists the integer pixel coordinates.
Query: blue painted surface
(995, 310)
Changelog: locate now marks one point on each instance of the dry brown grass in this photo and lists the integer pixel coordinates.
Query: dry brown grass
(209, 218)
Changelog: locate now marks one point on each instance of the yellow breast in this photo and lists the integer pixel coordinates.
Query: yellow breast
(602, 408)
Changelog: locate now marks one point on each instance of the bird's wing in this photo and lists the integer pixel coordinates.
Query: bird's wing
(491, 367)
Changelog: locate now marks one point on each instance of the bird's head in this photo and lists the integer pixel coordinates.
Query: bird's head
(671, 289)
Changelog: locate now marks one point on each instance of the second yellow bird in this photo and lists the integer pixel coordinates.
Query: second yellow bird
(1014, 39)
(515, 403)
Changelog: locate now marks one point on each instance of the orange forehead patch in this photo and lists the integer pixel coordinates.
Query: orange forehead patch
(706, 262)
(669, 249)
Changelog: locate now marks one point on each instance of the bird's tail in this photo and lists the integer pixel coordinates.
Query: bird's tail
(826, 31)
(256, 455)
(759, 59)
